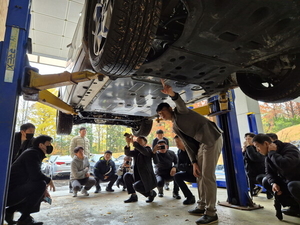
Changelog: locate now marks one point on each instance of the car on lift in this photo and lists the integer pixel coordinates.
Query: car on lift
(201, 48)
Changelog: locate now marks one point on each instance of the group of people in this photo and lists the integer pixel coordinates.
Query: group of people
(275, 166)
(199, 141)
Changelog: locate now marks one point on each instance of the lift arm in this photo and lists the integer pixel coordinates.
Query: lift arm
(34, 86)
(43, 82)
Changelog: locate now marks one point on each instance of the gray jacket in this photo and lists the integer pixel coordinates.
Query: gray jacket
(193, 128)
(79, 168)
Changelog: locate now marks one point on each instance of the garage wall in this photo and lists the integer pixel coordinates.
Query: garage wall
(244, 105)
(3, 13)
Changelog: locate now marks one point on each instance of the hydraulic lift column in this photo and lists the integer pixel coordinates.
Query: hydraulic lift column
(12, 62)
(237, 189)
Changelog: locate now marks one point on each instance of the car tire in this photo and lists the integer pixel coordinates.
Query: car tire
(143, 129)
(64, 123)
(280, 89)
(124, 46)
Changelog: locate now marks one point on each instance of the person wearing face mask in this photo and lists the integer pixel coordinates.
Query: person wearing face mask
(28, 186)
(23, 140)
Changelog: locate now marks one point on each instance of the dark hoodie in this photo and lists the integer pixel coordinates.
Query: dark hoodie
(283, 163)
(27, 168)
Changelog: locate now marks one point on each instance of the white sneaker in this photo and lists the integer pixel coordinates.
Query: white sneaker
(74, 193)
(84, 192)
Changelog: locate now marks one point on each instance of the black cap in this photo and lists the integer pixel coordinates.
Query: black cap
(159, 132)
(108, 151)
(161, 141)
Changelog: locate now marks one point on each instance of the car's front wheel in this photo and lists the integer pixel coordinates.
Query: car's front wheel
(120, 34)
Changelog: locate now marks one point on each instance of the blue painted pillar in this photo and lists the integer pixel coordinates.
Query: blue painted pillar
(252, 123)
(236, 181)
(12, 62)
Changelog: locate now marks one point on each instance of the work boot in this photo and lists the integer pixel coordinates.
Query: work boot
(132, 198)
(189, 200)
(29, 221)
(84, 192)
(176, 196)
(152, 196)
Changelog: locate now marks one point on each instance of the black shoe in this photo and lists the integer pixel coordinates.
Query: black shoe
(9, 218)
(132, 198)
(205, 219)
(109, 189)
(29, 221)
(176, 196)
(189, 200)
(197, 211)
(124, 189)
(152, 196)
(97, 190)
(256, 190)
(160, 195)
(291, 211)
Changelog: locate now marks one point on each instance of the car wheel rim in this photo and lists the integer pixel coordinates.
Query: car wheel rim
(101, 18)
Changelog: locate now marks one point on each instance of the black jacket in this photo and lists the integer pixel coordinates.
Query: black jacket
(164, 162)
(27, 168)
(283, 163)
(254, 162)
(19, 147)
(184, 162)
(142, 169)
(104, 168)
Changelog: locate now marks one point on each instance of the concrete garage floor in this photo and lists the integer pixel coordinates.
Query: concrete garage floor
(108, 208)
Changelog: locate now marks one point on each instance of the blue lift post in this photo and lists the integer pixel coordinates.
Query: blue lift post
(252, 122)
(236, 182)
(12, 63)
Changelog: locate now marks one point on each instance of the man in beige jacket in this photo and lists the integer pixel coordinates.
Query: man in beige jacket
(81, 141)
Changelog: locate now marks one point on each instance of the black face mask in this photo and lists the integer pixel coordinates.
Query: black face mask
(29, 136)
(49, 149)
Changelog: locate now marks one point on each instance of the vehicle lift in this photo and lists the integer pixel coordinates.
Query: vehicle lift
(18, 78)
